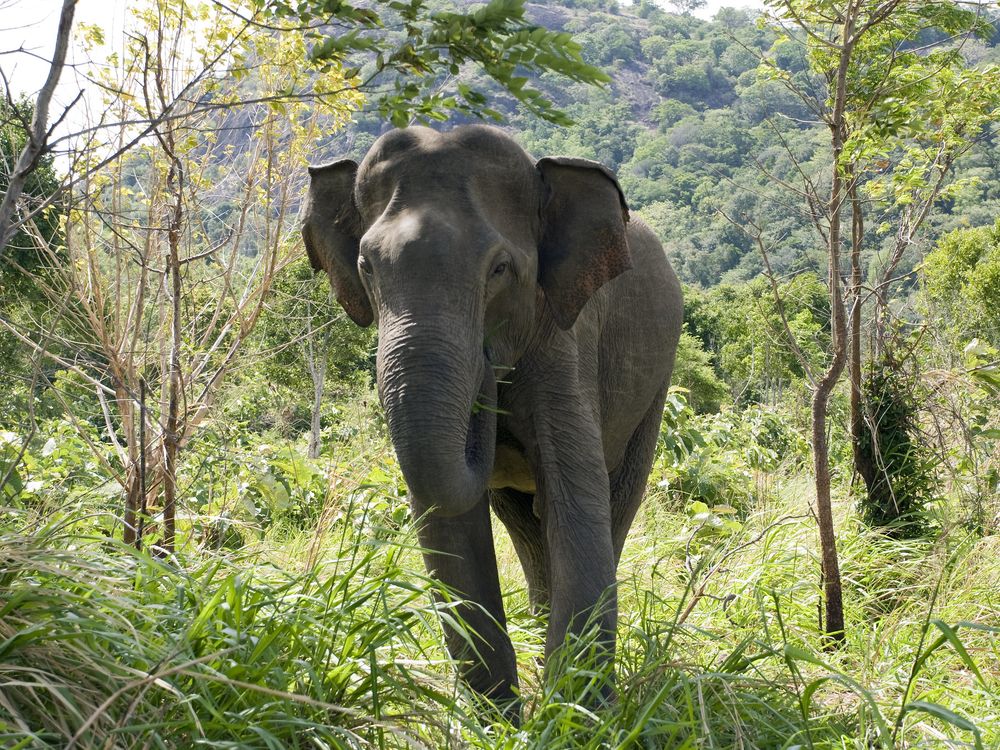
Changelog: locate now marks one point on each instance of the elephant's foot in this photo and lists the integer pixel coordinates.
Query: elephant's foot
(582, 671)
(500, 704)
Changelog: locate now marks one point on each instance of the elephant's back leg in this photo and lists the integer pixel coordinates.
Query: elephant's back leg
(628, 480)
(515, 511)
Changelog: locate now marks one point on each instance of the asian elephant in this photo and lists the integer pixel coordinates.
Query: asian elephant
(526, 335)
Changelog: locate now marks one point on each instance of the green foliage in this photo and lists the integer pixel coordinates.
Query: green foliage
(608, 44)
(11, 454)
(694, 373)
(302, 302)
(983, 363)
(243, 484)
(741, 326)
(603, 133)
(902, 482)
(962, 283)
(722, 460)
(57, 471)
(434, 43)
(976, 462)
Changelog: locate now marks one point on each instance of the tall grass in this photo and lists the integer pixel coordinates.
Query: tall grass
(106, 647)
(719, 646)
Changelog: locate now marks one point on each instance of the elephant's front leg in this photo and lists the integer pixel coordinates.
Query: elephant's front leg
(576, 517)
(459, 553)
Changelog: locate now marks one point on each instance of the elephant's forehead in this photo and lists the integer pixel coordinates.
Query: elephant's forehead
(405, 178)
(462, 143)
(505, 198)
(427, 230)
(476, 216)
(426, 162)
(450, 168)
(404, 209)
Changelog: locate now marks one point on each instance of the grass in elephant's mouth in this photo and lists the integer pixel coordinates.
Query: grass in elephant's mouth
(100, 646)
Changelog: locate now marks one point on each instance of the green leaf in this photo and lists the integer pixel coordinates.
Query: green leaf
(698, 508)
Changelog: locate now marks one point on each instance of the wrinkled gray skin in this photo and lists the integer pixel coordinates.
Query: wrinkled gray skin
(527, 331)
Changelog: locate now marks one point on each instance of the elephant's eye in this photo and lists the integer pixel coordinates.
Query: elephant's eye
(500, 268)
(365, 265)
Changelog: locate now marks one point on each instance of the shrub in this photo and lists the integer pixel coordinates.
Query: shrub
(721, 459)
(896, 464)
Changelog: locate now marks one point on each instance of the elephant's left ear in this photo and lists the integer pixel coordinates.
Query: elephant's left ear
(583, 242)
(331, 230)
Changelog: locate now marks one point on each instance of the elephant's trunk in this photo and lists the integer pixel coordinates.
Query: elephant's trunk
(439, 395)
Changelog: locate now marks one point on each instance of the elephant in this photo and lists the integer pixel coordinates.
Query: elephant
(527, 330)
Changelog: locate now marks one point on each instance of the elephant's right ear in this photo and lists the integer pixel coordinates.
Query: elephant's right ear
(584, 243)
(331, 229)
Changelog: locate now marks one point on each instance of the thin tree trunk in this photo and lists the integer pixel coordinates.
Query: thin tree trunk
(133, 486)
(144, 502)
(832, 589)
(315, 428)
(855, 367)
(129, 533)
(316, 357)
(171, 436)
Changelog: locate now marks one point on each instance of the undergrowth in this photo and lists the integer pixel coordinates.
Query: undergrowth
(274, 647)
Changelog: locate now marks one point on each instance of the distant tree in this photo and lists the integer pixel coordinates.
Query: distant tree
(655, 46)
(609, 43)
(693, 371)
(962, 284)
(310, 342)
(734, 18)
(687, 7)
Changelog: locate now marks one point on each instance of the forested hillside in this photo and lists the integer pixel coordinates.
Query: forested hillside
(696, 132)
(207, 538)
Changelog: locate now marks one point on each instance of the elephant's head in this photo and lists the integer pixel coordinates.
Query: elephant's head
(464, 251)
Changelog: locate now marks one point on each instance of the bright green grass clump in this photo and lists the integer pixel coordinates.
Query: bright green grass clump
(105, 647)
(719, 645)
